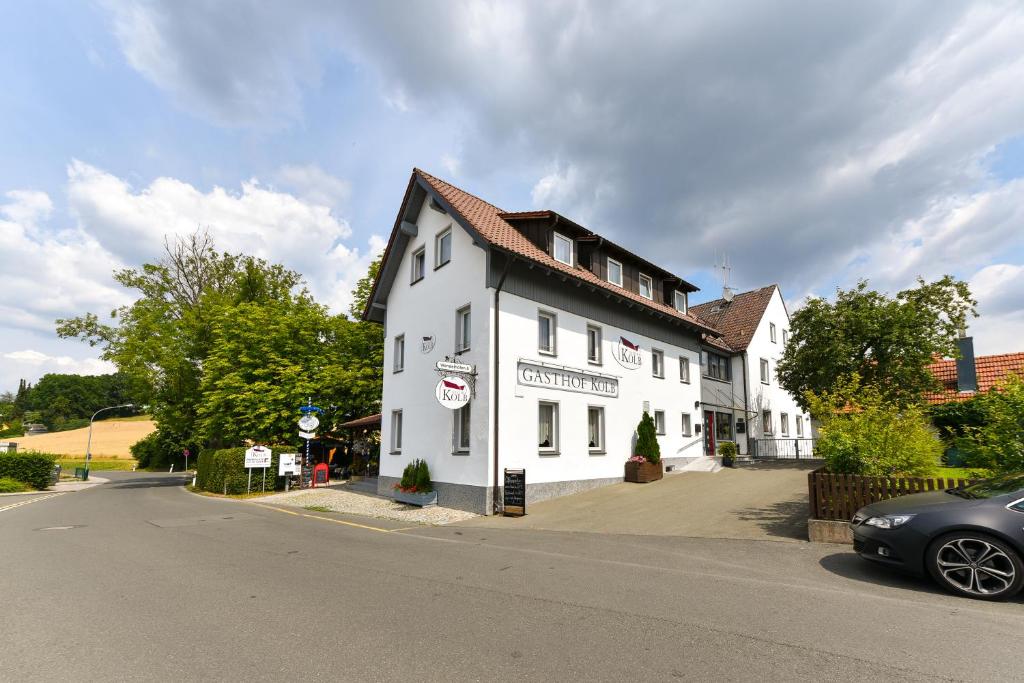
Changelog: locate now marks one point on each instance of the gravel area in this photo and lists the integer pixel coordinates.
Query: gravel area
(340, 500)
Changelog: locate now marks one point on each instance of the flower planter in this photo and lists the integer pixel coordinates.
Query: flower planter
(644, 472)
(421, 499)
(727, 461)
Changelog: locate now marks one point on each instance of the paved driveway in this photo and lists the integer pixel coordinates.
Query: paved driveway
(761, 502)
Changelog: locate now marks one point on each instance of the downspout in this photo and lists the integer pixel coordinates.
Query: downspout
(495, 376)
(746, 403)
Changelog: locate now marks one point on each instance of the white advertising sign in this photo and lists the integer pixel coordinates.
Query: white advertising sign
(449, 366)
(307, 435)
(627, 353)
(452, 392)
(566, 379)
(288, 464)
(258, 456)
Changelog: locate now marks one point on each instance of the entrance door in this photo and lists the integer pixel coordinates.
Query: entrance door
(709, 432)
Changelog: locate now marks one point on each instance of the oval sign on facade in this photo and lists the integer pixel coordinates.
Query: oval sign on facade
(452, 392)
(628, 354)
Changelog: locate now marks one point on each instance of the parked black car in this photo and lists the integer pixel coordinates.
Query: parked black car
(970, 540)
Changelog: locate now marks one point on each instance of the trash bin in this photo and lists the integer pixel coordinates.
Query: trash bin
(56, 473)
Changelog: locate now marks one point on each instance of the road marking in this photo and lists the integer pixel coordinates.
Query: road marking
(31, 500)
(336, 521)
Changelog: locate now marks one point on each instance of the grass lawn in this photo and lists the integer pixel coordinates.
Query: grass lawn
(958, 473)
(9, 485)
(237, 496)
(69, 464)
(133, 418)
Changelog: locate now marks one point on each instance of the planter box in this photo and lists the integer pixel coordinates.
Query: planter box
(644, 472)
(421, 499)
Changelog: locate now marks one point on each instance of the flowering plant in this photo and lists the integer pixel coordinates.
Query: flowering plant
(637, 458)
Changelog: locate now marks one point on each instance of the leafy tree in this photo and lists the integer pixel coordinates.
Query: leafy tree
(361, 294)
(887, 341)
(862, 432)
(647, 439)
(998, 443)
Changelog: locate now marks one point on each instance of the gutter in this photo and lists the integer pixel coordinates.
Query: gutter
(746, 401)
(496, 376)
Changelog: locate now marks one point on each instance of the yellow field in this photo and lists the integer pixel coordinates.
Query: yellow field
(110, 439)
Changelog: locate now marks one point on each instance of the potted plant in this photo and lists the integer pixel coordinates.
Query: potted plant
(727, 449)
(415, 487)
(645, 464)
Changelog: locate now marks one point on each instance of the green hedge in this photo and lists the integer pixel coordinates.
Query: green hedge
(35, 469)
(223, 471)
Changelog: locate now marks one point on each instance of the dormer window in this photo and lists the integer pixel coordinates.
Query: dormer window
(646, 286)
(563, 249)
(680, 301)
(614, 272)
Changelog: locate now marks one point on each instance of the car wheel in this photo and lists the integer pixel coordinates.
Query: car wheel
(975, 565)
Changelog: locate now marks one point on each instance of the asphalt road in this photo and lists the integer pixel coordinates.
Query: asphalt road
(154, 583)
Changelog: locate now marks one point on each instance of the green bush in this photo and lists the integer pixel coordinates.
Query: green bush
(863, 433)
(998, 443)
(34, 469)
(423, 484)
(647, 440)
(727, 449)
(416, 478)
(161, 449)
(14, 428)
(223, 471)
(10, 485)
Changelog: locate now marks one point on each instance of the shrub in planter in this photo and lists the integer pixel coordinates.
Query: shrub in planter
(34, 469)
(727, 449)
(645, 465)
(415, 478)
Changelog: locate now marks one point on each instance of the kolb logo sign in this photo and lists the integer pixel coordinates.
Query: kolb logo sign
(452, 392)
(628, 354)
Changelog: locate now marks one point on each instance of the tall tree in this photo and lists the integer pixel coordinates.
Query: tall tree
(887, 341)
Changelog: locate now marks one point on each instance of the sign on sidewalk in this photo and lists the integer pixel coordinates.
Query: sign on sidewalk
(257, 456)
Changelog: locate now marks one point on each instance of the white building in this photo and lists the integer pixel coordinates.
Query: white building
(571, 337)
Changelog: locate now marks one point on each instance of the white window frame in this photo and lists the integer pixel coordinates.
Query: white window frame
(659, 428)
(608, 271)
(552, 318)
(785, 337)
(599, 448)
(658, 363)
(771, 331)
(766, 423)
(597, 358)
(687, 424)
(799, 426)
(766, 375)
(553, 448)
(684, 369)
(418, 256)
(447, 232)
(650, 286)
(398, 362)
(784, 424)
(396, 431)
(462, 420)
(554, 248)
(686, 300)
(463, 332)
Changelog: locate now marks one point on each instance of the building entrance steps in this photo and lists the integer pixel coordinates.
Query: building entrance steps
(704, 464)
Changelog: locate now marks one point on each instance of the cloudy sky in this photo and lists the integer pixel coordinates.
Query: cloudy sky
(815, 143)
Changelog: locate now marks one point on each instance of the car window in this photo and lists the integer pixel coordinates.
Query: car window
(999, 486)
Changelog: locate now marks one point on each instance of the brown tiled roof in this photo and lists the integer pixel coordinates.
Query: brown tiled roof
(368, 421)
(990, 369)
(487, 219)
(738, 319)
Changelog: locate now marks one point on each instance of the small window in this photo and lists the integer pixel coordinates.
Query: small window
(718, 367)
(547, 427)
(396, 431)
(785, 337)
(723, 427)
(460, 429)
(784, 423)
(764, 371)
(646, 286)
(547, 324)
(799, 426)
(463, 329)
(684, 369)
(594, 344)
(659, 421)
(419, 260)
(657, 363)
(563, 249)
(681, 301)
(595, 429)
(687, 425)
(614, 272)
(771, 329)
(766, 421)
(443, 248)
(399, 361)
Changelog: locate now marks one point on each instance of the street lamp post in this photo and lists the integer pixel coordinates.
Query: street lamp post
(88, 446)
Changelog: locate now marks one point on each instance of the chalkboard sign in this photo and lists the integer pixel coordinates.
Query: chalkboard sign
(306, 480)
(515, 493)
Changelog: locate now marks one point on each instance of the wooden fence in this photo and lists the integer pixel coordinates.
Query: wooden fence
(839, 496)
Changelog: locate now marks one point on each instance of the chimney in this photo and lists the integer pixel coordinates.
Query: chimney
(966, 375)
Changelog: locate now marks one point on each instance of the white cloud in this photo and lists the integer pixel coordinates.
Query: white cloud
(315, 185)
(44, 363)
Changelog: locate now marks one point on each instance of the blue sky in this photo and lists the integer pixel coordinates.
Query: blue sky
(815, 145)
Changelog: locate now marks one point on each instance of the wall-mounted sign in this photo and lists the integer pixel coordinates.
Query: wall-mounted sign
(309, 422)
(451, 366)
(543, 376)
(427, 344)
(628, 354)
(452, 392)
(258, 456)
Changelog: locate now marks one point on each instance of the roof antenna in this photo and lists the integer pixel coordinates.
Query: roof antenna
(726, 267)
